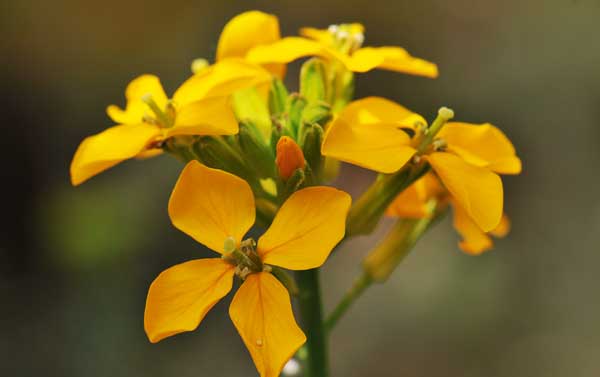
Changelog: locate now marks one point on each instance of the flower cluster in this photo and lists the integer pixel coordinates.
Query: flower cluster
(256, 153)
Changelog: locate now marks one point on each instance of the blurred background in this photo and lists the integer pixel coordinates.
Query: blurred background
(75, 263)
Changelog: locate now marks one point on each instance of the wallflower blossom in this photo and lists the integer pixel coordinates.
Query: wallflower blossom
(467, 158)
(201, 106)
(217, 209)
(341, 43)
(246, 31)
(413, 202)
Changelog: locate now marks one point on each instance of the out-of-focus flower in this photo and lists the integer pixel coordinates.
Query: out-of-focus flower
(341, 43)
(413, 203)
(217, 209)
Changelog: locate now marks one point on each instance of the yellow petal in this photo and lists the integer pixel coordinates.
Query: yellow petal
(482, 145)
(136, 108)
(180, 296)
(262, 314)
(104, 150)
(391, 58)
(306, 228)
(412, 202)
(210, 205)
(320, 35)
(221, 79)
(476, 189)
(289, 49)
(474, 240)
(378, 146)
(149, 153)
(378, 109)
(247, 30)
(503, 227)
(208, 116)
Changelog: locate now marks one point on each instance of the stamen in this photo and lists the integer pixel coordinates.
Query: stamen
(162, 119)
(446, 113)
(229, 245)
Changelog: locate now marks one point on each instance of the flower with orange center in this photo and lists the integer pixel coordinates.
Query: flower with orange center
(467, 158)
(217, 209)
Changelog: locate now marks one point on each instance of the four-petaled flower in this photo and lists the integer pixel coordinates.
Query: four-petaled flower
(341, 43)
(217, 209)
(467, 158)
(201, 106)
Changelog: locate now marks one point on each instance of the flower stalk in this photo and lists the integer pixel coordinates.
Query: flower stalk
(311, 312)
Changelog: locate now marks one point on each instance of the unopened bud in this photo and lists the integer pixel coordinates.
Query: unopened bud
(289, 157)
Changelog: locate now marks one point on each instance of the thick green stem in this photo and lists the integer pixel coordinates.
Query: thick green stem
(311, 312)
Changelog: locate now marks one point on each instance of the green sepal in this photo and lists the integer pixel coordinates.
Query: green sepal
(311, 147)
(313, 80)
(216, 152)
(296, 104)
(293, 184)
(316, 112)
(277, 97)
(257, 154)
(286, 279)
(344, 90)
(249, 106)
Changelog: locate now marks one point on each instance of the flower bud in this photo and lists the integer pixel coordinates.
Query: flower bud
(277, 97)
(257, 153)
(313, 80)
(289, 157)
(311, 141)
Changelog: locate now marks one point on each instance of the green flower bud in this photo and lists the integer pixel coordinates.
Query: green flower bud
(313, 80)
(257, 154)
(249, 106)
(277, 97)
(311, 147)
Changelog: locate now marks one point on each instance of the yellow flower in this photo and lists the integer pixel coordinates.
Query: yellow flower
(467, 158)
(246, 31)
(413, 202)
(217, 209)
(201, 106)
(341, 43)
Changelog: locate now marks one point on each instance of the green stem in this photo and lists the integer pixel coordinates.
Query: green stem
(362, 283)
(382, 261)
(311, 312)
(371, 205)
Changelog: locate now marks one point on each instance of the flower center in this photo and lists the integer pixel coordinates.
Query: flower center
(162, 118)
(347, 38)
(245, 258)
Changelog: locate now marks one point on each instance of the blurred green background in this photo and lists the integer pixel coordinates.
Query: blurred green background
(75, 263)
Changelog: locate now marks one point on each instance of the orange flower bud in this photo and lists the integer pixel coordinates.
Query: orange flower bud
(289, 157)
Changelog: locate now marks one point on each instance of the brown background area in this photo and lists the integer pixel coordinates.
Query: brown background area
(75, 264)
